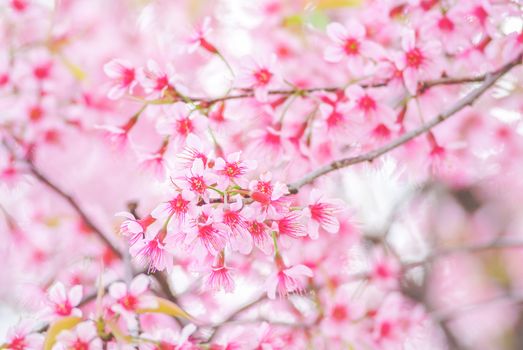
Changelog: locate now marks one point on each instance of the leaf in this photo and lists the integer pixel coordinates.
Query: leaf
(334, 4)
(117, 332)
(168, 308)
(75, 70)
(58, 326)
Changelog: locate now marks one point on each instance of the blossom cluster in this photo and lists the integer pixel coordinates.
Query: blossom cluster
(229, 174)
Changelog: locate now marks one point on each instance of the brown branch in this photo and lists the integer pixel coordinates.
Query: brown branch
(468, 100)
(74, 204)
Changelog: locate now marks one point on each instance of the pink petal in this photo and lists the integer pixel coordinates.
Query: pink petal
(337, 32)
(139, 284)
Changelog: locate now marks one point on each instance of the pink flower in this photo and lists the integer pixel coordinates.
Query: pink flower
(156, 81)
(232, 169)
(83, 337)
(169, 339)
(270, 198)
(199, 37)
(197, 180)
(385, 270)
(22, 337)
(64, 303)
(123, 76)
(133, 228)
(322, 213)
(154, 252)
(239, 236)
(220, 277)
(287, 281)
(259, 231)
(180, 123)
(513, 45)
(290, 225)
(418, 60)
(350, 44)
(178, 207)
(194, 149)
(206, 234)
(128, 300)
(259, 75)
(368, 104)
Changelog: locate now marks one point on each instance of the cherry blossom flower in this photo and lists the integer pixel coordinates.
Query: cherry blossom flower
(180, 122)
(197, 180)
(287, 280)
(63, 303)
(194, 148)
(123, 76)
(232, 169)
(367, 103)
(129, 300)
(220, 277)
(154, 252)
(260, 76)
(22, 337)
(155, 81)
(350, 44)
(199, 37)
(84, 336)
(237, 225)
(206, 234)
(270, 198)
(179, 207)
(167, 338)
(418, 60)
(133, 228)
(322, 213)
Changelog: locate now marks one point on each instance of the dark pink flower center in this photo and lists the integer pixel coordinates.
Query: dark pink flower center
(197, 184)
(17, 343)
(446, 24)
(129, 302)
(414, 58)
(184, 126)
(367, 103)
(339, 313)
(352, 46)
(80, 345)
(64, 309)
(263, 76)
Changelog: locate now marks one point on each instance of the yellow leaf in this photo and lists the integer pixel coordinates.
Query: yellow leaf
(117, 332)
(168, 308)
(75, 70)
(58, 326)
(333, 4)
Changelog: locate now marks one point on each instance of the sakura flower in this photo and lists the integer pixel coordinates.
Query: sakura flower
(290, 225)
(194, 149)
(155, 161)
(129, 300)
(368, 104)
(239, 236)
(322, 213)
(133, 228)
(155, 252)
(259, 76)
(385, 270)
(418, 61)
(119, 135)
(123, 76)
(179, 207)
(350, 44)
(270, 198)
(287, 280)
(220, 278)
(84, 337)
(206, 234)
(197, 180)
(232, 169)
(22, 337)
(180, 122)
(259, 231)
(155, 81)
(199, 37)
(63, 303)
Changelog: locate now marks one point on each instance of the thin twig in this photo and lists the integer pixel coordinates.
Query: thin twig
(468, 100)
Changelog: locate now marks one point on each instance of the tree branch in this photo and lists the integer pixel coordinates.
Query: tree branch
(468, 100)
